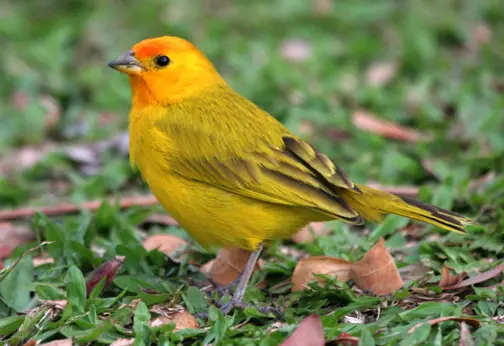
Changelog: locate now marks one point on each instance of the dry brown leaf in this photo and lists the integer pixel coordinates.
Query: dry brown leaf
(305, 235)
(303, 273)
(228, 265)
(380, 73)
(470, 321)
(465, 335)
(166, 243)
(123, 342)
(449, 279)
(377, 271)
(366, 121)
(206, 268)
(182, 319)
(310, 332)
(344, 339)
(481, 277)
(62, 342)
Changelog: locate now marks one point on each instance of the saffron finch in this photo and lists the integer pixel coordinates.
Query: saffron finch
(227, 171)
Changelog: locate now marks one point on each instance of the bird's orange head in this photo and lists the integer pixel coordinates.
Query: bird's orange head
(166, 70)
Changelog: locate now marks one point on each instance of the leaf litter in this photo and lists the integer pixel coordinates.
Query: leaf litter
(376, 272)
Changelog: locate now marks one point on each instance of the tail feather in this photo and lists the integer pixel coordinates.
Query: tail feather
(372, 204)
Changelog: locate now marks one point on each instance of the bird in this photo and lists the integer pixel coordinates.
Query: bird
(229, 172)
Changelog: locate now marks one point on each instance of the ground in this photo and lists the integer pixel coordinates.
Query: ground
(405, 94)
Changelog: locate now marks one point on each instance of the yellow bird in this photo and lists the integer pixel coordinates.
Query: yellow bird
(230, 173)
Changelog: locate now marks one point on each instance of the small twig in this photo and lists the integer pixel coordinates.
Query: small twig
(70, 208)
(6, 271)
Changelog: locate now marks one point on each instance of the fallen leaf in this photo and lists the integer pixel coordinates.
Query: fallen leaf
(296, 50)
(481, 277)
(62, 342)
(344, 339)
(30, 342)
(449, 279)
(107, 270)
(123, 342)
(303, 273)
(470, 321)
(305, 235)
(310, 332)
(182, 319)
(207, 267)
(380, 73)
(465, 335)
(377, 271)
(228, 265)
(168, 244)
(366, 121)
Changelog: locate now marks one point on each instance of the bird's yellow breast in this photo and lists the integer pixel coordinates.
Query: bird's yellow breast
(211, 215)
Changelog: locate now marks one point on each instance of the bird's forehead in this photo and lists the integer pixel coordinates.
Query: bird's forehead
(145, 50)
(158, 46)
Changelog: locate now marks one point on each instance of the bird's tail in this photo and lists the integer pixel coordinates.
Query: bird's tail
(371, 204)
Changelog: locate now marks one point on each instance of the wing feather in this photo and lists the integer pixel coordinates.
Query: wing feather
(258, 164)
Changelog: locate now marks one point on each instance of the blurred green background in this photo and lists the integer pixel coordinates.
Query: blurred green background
(435, 66)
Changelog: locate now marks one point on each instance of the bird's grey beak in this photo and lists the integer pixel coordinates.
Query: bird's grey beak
(126, 63)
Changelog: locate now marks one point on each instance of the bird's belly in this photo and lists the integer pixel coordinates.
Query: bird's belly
(213, 216)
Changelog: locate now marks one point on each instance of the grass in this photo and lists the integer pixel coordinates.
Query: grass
(57, 92)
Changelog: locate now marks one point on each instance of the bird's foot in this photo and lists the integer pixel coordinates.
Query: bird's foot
(225, 290)
(229, 306)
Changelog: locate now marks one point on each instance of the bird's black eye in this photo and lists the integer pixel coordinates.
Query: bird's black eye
(162, 61)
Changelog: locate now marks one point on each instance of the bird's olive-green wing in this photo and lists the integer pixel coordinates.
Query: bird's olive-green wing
(292, 174)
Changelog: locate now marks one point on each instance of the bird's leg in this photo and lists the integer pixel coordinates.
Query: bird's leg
(228, 289)
(244, 279)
